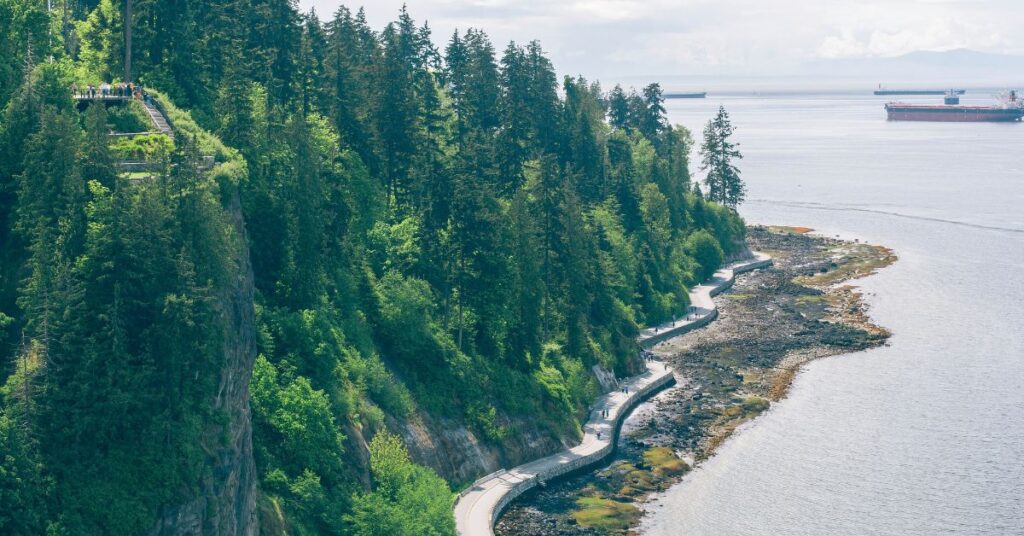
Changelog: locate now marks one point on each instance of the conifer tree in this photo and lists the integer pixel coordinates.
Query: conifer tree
(618, 108)
(651, 120)
(718, 153)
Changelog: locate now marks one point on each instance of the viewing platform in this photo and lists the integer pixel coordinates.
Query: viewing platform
(156, 117)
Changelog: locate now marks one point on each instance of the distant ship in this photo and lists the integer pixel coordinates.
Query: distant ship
(1010, 109)
(700, 95)
(883, 91)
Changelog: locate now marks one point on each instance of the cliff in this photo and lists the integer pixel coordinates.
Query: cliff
(226, 504)
(226, 501)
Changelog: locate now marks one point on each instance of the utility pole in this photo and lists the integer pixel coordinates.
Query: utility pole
(128, 41)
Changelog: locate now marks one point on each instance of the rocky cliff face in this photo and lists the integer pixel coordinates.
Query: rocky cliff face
(226, 503)
(460, 456)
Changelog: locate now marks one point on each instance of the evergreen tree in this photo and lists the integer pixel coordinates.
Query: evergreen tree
(650, 119)
(514, 137)
(718, 153)
(618, 108)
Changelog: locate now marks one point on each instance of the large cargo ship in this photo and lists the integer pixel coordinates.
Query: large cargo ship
(1010, 109)
(699, 95)
(901, 92)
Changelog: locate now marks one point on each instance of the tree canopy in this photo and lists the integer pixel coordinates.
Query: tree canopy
(454, 233)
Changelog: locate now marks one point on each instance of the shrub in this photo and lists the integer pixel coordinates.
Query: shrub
(407, 500)
(703, 247)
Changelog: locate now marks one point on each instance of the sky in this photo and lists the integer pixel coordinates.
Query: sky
(620, 40)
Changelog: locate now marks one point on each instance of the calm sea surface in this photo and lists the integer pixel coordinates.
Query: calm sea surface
(922, 437)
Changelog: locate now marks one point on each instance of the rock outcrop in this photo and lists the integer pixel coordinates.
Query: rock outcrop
(226, 502)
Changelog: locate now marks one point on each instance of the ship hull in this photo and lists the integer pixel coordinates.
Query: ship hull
(916, 92)
(954, 114)
(686, 95)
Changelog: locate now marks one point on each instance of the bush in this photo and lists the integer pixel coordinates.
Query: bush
(147, 148)
(129, 118)
(703, 247)
(407, 500)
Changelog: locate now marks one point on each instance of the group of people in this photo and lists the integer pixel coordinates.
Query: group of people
(106, 91)
(648, 356)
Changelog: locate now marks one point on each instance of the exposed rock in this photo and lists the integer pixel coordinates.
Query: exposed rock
(226, 504)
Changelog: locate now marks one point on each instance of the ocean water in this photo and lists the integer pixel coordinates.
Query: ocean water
(926, 435)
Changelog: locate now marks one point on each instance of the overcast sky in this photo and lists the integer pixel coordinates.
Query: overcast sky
(619, 39)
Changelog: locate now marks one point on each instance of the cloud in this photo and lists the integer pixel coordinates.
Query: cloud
(612, 39)
(938, 33)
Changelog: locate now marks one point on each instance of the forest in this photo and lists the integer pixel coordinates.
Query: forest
(389, 228)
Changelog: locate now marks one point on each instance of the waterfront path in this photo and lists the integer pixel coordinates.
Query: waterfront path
(479, 506)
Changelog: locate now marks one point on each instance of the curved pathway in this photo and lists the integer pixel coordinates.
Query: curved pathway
(478, 507)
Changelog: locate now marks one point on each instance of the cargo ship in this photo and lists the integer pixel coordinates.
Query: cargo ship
(903, 92)
(700, 95)
(1010, 109)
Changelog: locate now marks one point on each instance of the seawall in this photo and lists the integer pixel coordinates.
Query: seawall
(479, 506)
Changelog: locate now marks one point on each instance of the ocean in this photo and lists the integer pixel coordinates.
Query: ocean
(924, 436)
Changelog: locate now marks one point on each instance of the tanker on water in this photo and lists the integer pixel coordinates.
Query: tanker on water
(881, 91)
(1010, 109)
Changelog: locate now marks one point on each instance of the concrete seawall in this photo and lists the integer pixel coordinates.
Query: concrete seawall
(479, 506)
(701, 302)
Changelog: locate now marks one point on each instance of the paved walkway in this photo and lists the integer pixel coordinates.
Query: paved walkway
(479, 506)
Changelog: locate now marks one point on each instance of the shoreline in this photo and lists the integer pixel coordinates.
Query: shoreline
(801, 310)
(478, 508)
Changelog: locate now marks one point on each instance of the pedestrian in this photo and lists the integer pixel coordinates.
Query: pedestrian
(74, 89)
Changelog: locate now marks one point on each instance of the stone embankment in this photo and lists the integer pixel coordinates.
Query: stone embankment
(479, 506)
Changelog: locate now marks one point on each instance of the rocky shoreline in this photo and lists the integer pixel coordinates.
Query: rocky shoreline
(771, 323)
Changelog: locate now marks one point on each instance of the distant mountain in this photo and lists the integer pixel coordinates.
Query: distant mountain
(961, 67)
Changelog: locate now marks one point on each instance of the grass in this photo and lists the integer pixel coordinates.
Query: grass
(748, 406)
(850, 262)
(601, 513)
(664, 462)
(789, 230)
(810, 299)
